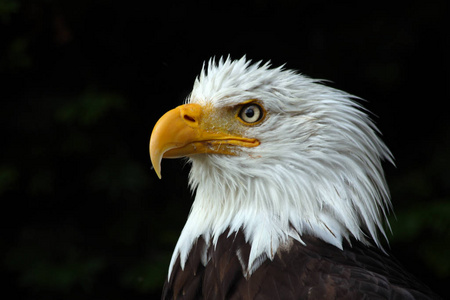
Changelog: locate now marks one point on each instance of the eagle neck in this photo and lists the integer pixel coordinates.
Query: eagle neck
(269, 216)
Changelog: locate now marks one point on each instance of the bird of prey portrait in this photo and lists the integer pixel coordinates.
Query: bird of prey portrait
(290, 201)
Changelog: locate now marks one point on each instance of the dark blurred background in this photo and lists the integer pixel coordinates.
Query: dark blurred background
(82, 83)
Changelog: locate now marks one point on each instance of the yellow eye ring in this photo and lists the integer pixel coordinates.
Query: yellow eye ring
(251, 113)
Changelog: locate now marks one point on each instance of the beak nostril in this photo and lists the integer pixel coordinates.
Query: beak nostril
(189, 118)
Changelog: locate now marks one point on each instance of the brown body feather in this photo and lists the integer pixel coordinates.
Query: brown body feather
(315, 271)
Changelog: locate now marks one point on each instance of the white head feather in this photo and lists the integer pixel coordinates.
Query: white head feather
(317, 170)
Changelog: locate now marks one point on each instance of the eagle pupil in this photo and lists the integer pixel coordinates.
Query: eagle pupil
(250, 112)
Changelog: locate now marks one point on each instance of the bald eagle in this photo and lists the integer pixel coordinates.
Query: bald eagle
(290, 196)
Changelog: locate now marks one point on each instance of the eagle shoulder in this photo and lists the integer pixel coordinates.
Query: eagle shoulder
(314, 270)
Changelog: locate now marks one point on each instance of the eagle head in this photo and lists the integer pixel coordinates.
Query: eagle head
(277, 155)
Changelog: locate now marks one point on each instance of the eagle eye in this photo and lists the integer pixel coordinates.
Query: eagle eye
(251, 113)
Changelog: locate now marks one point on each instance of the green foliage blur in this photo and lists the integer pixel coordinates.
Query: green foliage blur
(83, 82)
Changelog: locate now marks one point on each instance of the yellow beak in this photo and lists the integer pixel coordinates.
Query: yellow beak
(182, 132)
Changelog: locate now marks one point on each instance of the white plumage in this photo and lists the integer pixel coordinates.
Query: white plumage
(317, 170)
